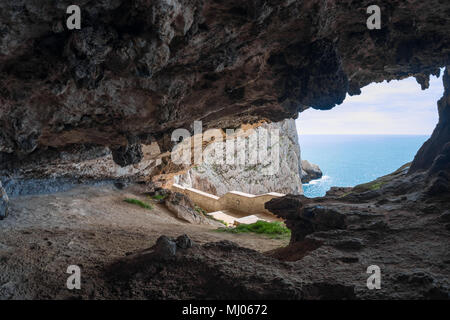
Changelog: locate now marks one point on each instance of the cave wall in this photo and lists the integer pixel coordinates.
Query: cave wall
(435, 153)
(139, 69)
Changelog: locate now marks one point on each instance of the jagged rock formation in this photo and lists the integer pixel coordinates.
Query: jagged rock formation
(219, 179)
(137, 70)
(436, 151)
(398, 223)
(59, 171)
(335, 240)
(310, 171)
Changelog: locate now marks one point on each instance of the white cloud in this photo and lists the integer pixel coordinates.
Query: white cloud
(398, 107)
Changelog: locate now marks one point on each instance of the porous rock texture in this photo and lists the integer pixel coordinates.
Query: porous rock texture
(184, 209)
(217, 270)
(278, 172)
(398, 224)
(401, 227)
(139, 69)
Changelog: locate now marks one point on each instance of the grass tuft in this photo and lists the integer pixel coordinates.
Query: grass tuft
(158, 197)
(273, 229)
(378, 183)
(200, 210)
(139, 203)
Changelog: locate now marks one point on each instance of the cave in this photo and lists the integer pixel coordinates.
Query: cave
(87, 181)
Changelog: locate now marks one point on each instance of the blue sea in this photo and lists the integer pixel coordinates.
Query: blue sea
(349, 160)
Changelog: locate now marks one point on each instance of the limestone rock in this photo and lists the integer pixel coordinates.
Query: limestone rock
(184, 208)
(310, 171)
(218, 179)
(129, 154)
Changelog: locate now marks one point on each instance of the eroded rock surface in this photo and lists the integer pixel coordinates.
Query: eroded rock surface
(436, 151)
(58, 171)
(139, 68)
(184, 209)
(310, 171)
(279, 171)
(396, 223)
(219, 270)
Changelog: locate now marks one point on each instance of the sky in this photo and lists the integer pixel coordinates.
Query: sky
(397, 107)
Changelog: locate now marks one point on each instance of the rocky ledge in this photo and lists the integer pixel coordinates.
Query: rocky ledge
(400, 226)
(310, 171)
(398, 223)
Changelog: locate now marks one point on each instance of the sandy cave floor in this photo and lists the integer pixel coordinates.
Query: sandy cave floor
(90, 227)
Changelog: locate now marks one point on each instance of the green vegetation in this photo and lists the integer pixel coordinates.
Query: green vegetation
(378, 183)
(158, 197)
(203, 212)
(345, 194)
(139, 203)
(373, 185)
(200, 210)
(273, 229)
(218, 220)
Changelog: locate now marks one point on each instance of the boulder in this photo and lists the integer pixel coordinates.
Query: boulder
(310, 171)
(4, 202)
(184, 242)
(303, 217)
(184, 208)
(165, 247)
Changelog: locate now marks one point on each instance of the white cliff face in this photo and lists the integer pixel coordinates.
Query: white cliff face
(219, 179)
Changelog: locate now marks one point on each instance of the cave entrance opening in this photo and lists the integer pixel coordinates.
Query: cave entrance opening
(369, 135)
